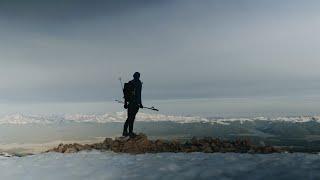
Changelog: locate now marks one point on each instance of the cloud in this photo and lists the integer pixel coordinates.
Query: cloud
(68, 51)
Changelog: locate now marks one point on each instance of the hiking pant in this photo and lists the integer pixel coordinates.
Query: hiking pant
(132, 111)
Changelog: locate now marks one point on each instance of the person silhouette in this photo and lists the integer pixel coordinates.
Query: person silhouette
(132, 95)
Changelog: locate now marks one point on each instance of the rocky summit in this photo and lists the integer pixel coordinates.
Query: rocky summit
(141, 144)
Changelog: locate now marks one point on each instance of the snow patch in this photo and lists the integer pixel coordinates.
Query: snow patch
(21, 119)
(97, 165)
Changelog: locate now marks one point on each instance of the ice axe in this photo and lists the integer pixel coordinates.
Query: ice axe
(151, 108)
(120, 79)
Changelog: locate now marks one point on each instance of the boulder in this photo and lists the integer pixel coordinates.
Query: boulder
(141, 144)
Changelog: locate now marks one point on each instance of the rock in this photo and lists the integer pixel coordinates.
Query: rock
(215, 149)
(141, 144)
(159, 142)
(116, 146)
(61, 148)
(194, 148)
(208, 139)
(194, 140)
(175, 145)
(138, 144)
(87, 147)
(227, 145)
(71, 150)
(205, 145)
(251, 151)
(108, 142)
(208, 150)
(78, 147)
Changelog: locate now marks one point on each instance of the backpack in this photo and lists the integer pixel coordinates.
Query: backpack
(129, 91)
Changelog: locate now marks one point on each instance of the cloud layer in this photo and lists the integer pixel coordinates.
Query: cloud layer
(76, 50)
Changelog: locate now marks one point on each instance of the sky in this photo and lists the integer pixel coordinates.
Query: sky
(75, 51)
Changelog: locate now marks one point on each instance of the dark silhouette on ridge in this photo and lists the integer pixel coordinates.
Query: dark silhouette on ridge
(132, 96)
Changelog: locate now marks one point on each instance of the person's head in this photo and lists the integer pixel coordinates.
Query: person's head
(136, 75)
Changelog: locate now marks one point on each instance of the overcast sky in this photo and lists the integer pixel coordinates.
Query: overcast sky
(67, 50)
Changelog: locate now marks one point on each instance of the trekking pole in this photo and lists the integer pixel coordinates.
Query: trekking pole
(151, 108)
(121, 82)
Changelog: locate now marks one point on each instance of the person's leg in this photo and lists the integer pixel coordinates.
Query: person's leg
(135, 110)
(126, 124)
(125, 128)
(130, 116)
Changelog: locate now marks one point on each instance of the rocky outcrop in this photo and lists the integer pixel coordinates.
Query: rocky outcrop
(141, 144)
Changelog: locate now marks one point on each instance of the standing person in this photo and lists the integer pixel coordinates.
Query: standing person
(132, 96)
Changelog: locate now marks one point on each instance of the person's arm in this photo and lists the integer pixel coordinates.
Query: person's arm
(139, 96)
(125, 104)
(125, 98)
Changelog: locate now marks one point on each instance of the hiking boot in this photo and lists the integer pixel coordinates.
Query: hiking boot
(132, 135)
(125, 134)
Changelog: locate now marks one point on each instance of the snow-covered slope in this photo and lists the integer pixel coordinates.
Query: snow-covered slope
(121, 116)
(101, 166)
